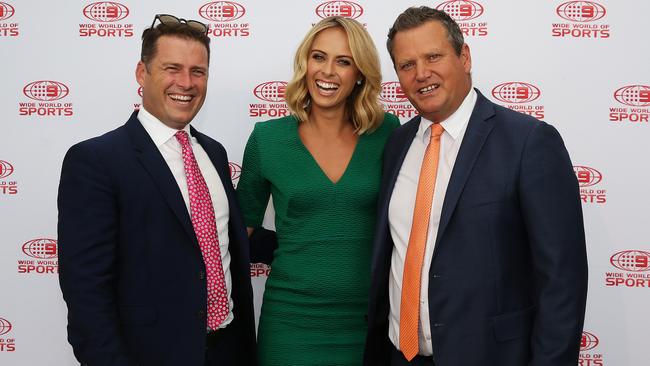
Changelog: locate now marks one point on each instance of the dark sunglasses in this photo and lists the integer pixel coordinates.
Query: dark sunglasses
(168, 19)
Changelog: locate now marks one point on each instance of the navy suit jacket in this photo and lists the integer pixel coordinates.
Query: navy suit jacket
(508, 277)
(131, 270)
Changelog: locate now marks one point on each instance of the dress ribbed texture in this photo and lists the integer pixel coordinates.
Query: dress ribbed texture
(315, 301)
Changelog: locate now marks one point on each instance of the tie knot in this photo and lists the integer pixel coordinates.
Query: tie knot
(436, 130)
(182, 138)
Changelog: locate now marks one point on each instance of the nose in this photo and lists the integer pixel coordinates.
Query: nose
(328, 68)
(184, 79)
(421, 71)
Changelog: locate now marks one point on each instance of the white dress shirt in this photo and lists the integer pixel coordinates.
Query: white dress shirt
(164, 138)
(402, 204)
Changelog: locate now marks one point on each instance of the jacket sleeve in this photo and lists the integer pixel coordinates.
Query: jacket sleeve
(87, 239)
(552, 213)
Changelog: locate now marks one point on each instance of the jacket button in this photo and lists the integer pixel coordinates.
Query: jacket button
(201, 275)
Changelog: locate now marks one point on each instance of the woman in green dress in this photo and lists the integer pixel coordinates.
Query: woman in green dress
(322, 167)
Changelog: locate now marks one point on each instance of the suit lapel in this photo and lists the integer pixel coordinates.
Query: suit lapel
(396, 159)
(153, 162)
(393, 159)
(479, 126)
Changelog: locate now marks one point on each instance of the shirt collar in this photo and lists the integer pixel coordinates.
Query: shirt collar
(455, 123)
(159, 132)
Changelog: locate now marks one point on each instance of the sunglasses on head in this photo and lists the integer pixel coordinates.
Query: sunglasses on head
(168, 19)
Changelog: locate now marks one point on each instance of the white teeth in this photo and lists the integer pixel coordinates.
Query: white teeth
(326, 85)
(181, 98)
(428, 88)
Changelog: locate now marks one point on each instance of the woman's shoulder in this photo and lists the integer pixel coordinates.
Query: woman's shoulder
(274, 127)
(389, 123)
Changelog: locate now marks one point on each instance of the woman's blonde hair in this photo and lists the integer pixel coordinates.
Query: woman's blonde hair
(362, 105)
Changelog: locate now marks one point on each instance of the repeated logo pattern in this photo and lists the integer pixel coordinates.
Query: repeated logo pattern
(271, 91)
(462, 10)
(631, 260)
(6, 11)
(5, 169)
(347, 9)
(46, 90)
(222, 11)
(633, 95)
(42, 248)
(106, 11)
(581, 11)
(516, 92)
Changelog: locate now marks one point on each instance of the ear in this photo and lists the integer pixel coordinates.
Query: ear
(466, 58)
(140, 73)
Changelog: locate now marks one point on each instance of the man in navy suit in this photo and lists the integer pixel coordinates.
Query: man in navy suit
(503, 272)
(132, 271)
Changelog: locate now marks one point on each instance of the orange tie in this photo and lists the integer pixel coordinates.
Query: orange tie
(410, 306)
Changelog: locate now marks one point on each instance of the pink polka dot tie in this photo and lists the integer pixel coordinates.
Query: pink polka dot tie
(205, 227)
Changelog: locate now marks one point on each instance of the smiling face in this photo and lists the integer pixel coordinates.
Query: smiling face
(435, 79)
(175, 81)
(331, 72)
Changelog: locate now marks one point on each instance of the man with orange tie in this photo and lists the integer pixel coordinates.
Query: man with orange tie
(479, 255)
(153, 252)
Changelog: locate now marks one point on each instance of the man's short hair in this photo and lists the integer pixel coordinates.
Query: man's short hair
(181, 30)
(416, 16)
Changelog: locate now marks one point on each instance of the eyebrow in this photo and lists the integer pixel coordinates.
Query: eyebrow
(404, 60)
(176, 64)
(339, 56)
(425, 54)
